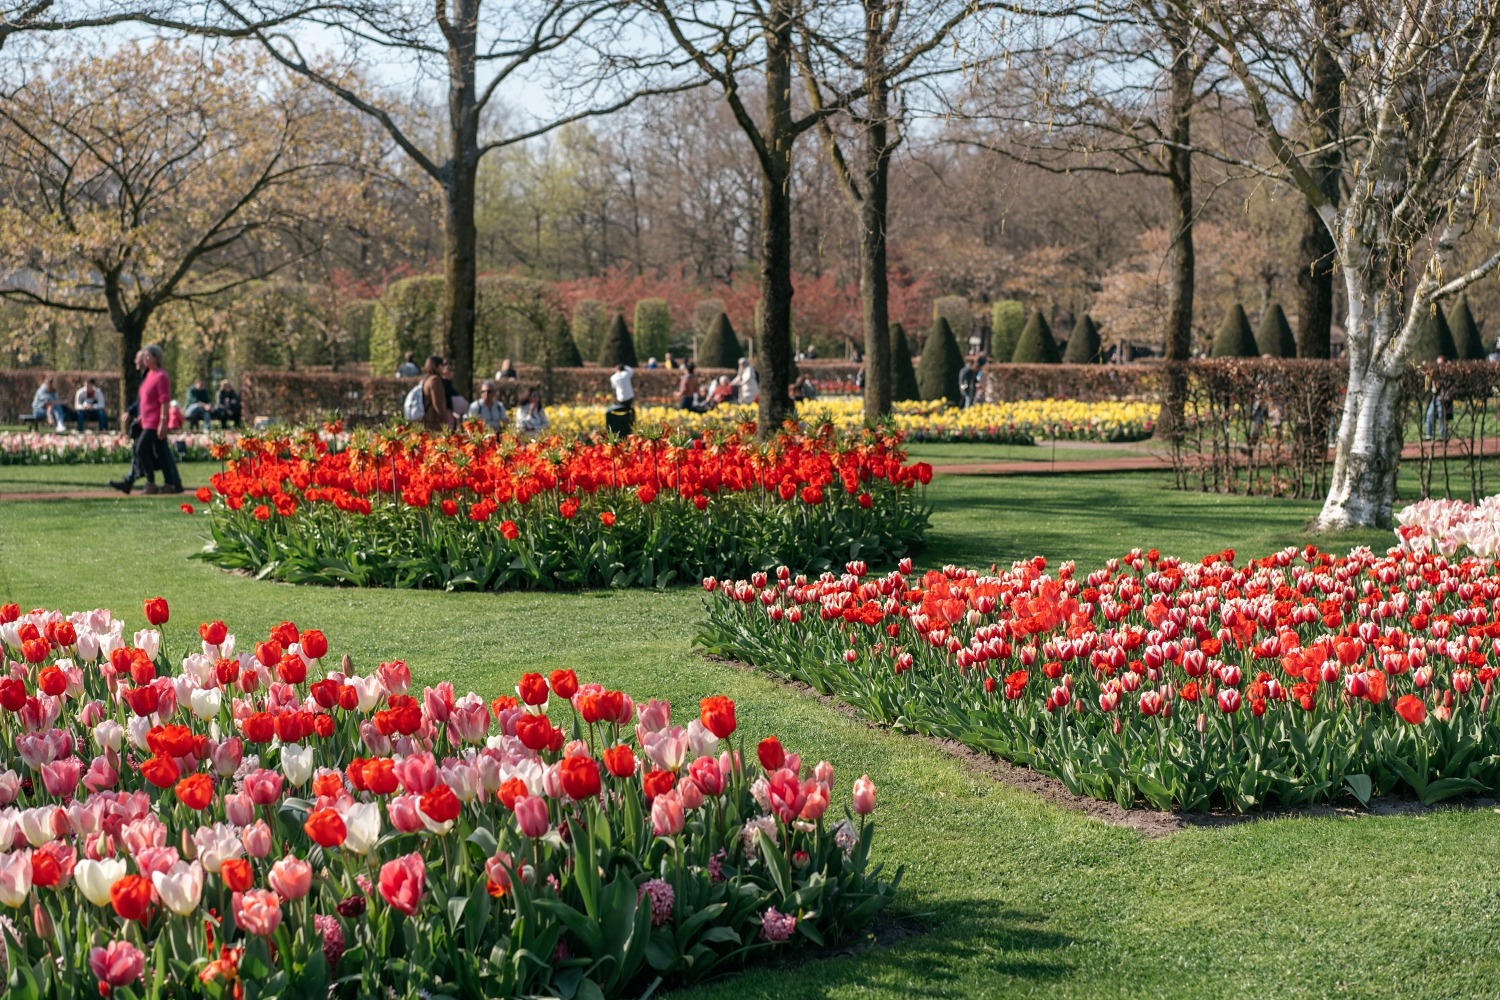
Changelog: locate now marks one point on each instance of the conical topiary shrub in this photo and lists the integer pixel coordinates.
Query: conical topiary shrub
(1007, 320)
(1083, 346)
(937, 374)
(1466, 333)
(903, 375)
(720, 347)
(560, 350)
(1234, 339)
(1037, 346)
(1434, 338)
(1274, 337)
(618, 347)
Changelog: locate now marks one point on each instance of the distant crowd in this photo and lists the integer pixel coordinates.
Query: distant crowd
(90, 406)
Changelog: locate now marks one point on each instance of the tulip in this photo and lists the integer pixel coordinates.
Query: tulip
(291, 878)
(216, 844)
(239, 808)
(532, 816)
(118, 963)
(257, 839)
(205, 703)
(402, 882)
(667, 815)
(95, 878)
(264, 787)
(404, 814)
(297, 763)
(180, 887)
(864, 796)
(257, 911)
(361, 826)
(15, 878)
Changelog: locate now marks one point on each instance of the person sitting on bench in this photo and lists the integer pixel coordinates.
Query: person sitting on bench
(88, 404)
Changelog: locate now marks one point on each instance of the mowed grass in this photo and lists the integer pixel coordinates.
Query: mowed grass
(1011, 897)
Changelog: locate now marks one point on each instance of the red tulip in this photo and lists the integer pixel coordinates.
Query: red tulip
(1411, 708)
(771, 754)
(717, 715)
(156, 611)
(325, 827)
(580, 777)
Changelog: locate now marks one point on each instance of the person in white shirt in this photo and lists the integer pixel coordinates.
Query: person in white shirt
(531, 419)
(488, 406)
(88, 403)
(747, 382)
(624, 388)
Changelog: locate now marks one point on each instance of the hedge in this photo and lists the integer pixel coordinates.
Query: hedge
(1234, 339)
(1007, 320)
(653, 328)
(937, 375)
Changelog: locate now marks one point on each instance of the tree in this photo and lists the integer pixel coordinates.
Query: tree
(1273, 338)
(1037, 345)
(937, 375)
(154, 174)
(618, 348)
(720, 347)
(1234, 339)
(903, 376)
(1084, 345)
(1424, 102)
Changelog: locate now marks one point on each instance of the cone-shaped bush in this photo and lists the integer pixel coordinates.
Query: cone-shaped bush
(653, 327)
(1466, 333)
(955, 309)
(1007, 320)
(1037, 346)
(720, 347)
(903, 375)
(1274, 337)
(618, 348)
(1083, 346)
(937, 373)
(1434, 338)
(560, 347)
(1234, 339)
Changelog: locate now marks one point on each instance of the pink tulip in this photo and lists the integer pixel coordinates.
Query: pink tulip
(291, 877)
(101, 775)
(15, 878)
(655, 715)
(257, 839)
(417, 773)
(667, 816)
(402, 882)
(263, 786)
(239, 808)
(257, 911)
(706, 773)
(864, 796)
(438, 702)
(405, 816)
(395, 676)
(375, 741)
(531, 816)
(691, 794)
(118, 963)
(817, 800)
(226, 756)
(469, 719)
(10, 787)
(60, 777)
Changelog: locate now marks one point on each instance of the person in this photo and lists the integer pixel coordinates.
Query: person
(669, 363)
(621, 417)
(968, 382)
(199, 404)
(408, 366)
(531, 419)
(457, 405)
(46, 406)
(1438, 403)
(652, 363)
(507, 370)
(688, 397)
(859, 379)
(151, 451)
(174, 416)
(227, 405)
(88, 403)
(723, 392)
(747, 382)
(488, 406)
(803, 390)
(436, 416)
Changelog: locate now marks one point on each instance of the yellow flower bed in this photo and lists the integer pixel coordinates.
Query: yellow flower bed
(1007, 423)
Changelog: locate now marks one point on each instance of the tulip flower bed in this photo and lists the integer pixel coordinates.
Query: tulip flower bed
(475, 511)
(1444, 526)
(249, 823)
(91, 448)
(1295, 679)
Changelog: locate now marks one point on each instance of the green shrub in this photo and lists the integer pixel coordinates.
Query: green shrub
(653, 327)
(903, 376)
(937, 374)
(1234, 339)
(511, 321)
(618, 347)
(955, 309)
(590, 323)
(704, 314)
(1083, 346)
(1037, 346)
(359, 321)
(1274, 337)
(1434, 338)
(720, 348)
(1466, 333)
(1007, 320)
(408, 320)
(559, 349)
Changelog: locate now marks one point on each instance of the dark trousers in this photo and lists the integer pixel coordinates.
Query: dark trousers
(152, 455)
(84, 416)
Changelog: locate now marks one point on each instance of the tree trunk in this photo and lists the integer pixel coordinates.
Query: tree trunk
(1316, 247)
(874, 279)
(1178, 336)
(775, 313)
(132, 332)
(460, 234)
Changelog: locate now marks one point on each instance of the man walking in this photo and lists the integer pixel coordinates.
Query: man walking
(151, 450)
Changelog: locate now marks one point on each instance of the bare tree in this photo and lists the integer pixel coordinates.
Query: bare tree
(152, 175)
(1421, 81)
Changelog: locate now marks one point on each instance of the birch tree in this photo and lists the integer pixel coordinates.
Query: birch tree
(1420, 111)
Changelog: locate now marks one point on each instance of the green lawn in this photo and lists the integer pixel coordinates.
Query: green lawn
(941, 453)
(1014, 897)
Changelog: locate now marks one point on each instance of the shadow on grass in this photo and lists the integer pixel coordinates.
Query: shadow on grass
(940, 949)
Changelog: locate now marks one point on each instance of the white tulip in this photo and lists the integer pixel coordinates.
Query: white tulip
(109, 734)
(95, 878)
(180, 887)
(206, 703)
(296, 763)
(362, 826)
(148, 639)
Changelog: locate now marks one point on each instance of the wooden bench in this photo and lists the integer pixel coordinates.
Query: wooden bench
(30, 419)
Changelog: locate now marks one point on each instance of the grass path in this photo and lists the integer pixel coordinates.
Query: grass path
(1016, 898)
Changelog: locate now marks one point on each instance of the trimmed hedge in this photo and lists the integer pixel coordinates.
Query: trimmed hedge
(359, 322)
(406, 320)
(937, 376)
(18, 386)
(720, 347)
(1037, 346)
(1084, 344)
(560, 350)
(618, 347)
(1434, 338)
(960, 318)
(1274, 337)
(589, 324)
(653, 327)
(1234, 338)
(1466, 333)
(1007, 320)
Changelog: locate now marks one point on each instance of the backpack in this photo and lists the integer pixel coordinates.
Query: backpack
(412, 407)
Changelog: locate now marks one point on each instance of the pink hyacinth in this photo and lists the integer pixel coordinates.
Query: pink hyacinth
(776, 926)
(662, 900)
